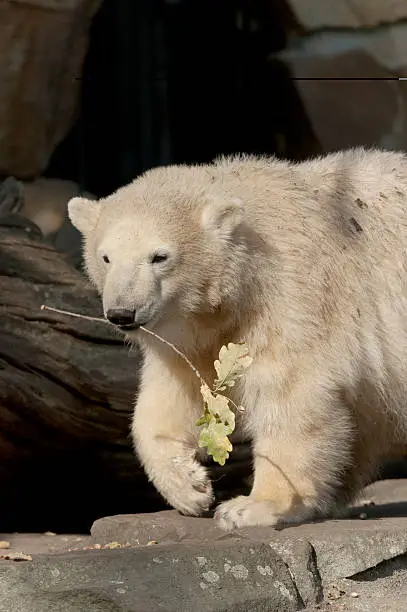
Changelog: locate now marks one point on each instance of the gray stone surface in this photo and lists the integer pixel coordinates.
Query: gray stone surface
(166, 561)
(227, 577)
(169, 526)
(166, 527)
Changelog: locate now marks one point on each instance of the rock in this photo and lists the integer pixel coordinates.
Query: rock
(358, 565)
(389, 495)
(166, 527)
(45, 202)
(386, 45)
(42, 49)
(346, 548)
(42, 204)
(299, 556)
(335, 72)
(314, 14)
(11, 197)
(316, 553)
(36, 544)
(232, 577)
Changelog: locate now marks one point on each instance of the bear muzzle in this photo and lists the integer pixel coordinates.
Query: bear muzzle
(123, 318)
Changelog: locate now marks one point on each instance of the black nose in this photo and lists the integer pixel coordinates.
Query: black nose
(122, 318)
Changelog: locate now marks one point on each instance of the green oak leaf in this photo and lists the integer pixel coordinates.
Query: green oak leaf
(233, 360)
(214, 437)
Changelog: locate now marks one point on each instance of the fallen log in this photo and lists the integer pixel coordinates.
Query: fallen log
(67, 387)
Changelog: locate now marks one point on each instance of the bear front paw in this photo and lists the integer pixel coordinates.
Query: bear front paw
(245, 511)
(187, 488)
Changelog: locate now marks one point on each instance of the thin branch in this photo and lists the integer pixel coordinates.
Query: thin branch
(74, 314)
(180, 353)
(151, 333)
(143, 329)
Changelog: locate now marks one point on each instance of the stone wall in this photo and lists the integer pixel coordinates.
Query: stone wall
(42, 48)
(345, 57)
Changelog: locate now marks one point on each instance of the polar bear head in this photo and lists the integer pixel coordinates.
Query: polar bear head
(170, 243)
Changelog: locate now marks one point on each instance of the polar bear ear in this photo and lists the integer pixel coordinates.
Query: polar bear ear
(223, 216)
(83, 213)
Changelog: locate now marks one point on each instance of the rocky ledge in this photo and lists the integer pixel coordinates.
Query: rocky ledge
(164, 561)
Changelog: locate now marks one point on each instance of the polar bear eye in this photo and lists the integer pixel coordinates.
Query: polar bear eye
(159, 258)
(106, 259)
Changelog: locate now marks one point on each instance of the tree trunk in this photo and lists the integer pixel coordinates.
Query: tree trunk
(67, 389)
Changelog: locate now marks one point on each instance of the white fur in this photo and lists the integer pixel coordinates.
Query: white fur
(307, 263)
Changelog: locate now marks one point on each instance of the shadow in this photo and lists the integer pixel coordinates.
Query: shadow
(379, 511)
(385, 569)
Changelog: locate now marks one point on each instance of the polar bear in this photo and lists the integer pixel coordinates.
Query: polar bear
(307, 263)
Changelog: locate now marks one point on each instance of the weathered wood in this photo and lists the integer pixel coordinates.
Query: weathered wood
(59, 368)
(11, 196)
(67, 385)
(67, 388)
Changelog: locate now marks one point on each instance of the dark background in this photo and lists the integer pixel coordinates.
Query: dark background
(181, 82)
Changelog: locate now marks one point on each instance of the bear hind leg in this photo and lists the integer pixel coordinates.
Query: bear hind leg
(299, 467)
